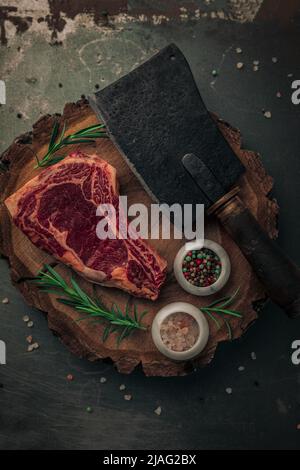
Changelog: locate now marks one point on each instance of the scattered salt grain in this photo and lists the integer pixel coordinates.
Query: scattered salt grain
(267, 114)
(33, 346)
(214, 73)
(5, 300)
(103, 380)
(298, 427)
(122, 387)
(290, 75)
(274, 60)
(255, 68)
(70, 377)
(127, 397)
(30, 324)
(157, 411)
(26, 318)
(89, 409)
(238, 50)
(253, 356)
(29, 339)
(239, 65)
(229, 390)
(278, 94)
(241, 368)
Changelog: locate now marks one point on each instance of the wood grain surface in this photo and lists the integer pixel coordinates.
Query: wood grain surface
(84, 339)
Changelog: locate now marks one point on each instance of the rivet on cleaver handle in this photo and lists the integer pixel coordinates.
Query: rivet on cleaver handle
(278, 274)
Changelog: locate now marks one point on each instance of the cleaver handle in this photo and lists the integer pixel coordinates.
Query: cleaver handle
(279, 275)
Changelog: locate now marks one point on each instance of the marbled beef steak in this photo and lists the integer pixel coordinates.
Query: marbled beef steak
(57, 211)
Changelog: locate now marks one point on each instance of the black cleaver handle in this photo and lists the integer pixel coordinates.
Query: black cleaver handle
(278, 274)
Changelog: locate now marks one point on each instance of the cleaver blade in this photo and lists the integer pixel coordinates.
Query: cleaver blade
(156, 116)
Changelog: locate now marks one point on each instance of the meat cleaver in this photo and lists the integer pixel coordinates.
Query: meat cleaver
(157, 119)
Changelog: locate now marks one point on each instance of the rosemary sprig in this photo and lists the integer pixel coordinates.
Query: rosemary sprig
(123, 322)
(60, 140)
(221, 306)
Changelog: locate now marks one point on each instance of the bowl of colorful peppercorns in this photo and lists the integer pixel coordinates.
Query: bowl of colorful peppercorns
(204, 270)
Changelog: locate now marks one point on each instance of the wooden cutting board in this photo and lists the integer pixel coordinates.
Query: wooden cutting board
(83, 338)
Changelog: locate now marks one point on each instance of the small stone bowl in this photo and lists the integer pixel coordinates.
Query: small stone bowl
(216, 286)
(201, 341)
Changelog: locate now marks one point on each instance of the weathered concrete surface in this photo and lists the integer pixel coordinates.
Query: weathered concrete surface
(61, 16)
(54, 51)
(45, 65)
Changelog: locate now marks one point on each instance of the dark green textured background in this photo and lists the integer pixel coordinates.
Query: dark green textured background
(39, 408)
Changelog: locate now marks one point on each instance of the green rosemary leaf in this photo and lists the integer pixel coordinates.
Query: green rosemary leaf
(48, 280)
(80, 308)
(113, 309)
(62, 133)
(119, 311)
(112, 328)
(119, 321)
(53, 160)
(233, 313)
(142, 315)
(228, 329)
(123, 335)
(79, 291)
(90, 135)
(127, 309)
(213, 318)
(90, 311)
(230, 300)
(106, 333)
(83, 136)
(79, 141)
(53, 135)
(37, 161)
(89, 129)
(45, 281)
(98, 304)
(217, 307)
(70, 303)
(216, 302)
(56, 276)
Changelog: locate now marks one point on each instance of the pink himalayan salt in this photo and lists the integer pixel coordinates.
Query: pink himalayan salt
(179, 331)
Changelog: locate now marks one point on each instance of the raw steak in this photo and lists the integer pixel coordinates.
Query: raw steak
(57, 211)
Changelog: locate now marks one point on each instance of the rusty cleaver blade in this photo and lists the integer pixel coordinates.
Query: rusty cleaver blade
(155, 116)
(158, 120)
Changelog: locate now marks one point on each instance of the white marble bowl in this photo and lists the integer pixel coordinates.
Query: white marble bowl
(216, 286)
(201, 341)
